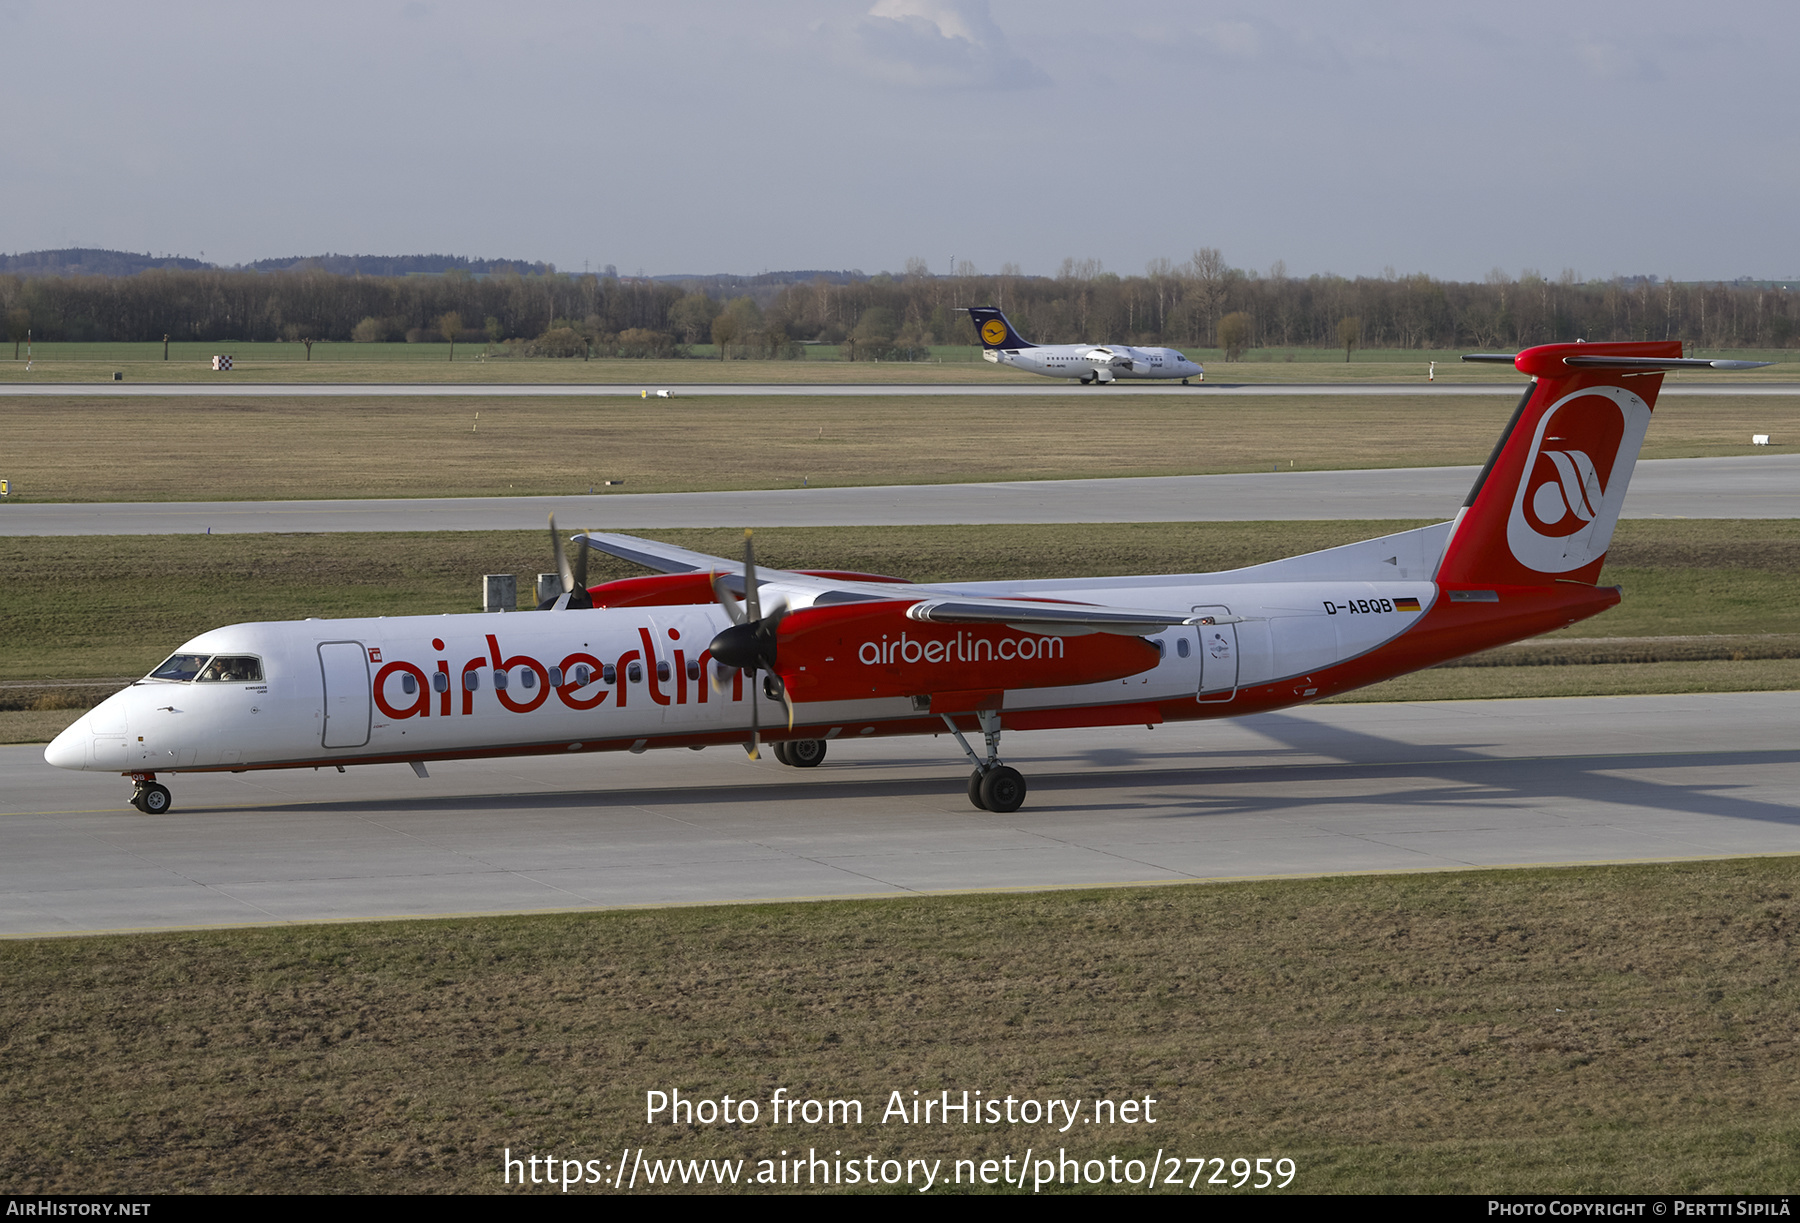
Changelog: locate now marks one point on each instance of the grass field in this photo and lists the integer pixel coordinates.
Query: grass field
(265, 361)
(154, 449)
(1618, 1030)
(1709, 605)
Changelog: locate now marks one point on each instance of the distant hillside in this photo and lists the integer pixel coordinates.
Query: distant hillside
(82, 261)
(399, 265)
(725, 280)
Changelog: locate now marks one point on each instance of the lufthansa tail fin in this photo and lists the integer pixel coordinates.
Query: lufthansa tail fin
(1544, 508)
(994, 330)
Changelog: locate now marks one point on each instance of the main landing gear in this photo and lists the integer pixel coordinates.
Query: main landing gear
(992, 786)
(149, 797)
(800, 753)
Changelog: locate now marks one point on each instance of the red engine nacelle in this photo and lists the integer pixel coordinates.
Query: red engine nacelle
(867, 650)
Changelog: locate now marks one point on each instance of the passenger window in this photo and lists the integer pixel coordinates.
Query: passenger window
(635, 673)
(693, 669)
(472, 681)
(609, 673)
(662, 671)
(1181, 647)
(440, 682)
(528, 678)
(556, 677)
(499, 681)
(408, 684)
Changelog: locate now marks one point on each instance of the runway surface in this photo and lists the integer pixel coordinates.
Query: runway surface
(1323, 790)
(1042, 386)
(1763, 486)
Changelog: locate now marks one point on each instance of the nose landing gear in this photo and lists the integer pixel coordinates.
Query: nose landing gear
(992, 786)
(149, 797)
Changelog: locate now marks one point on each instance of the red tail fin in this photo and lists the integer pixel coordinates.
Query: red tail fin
(1544, 507)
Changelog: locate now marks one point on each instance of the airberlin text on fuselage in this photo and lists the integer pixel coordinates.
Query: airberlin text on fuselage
(671, 687)
(964, 647)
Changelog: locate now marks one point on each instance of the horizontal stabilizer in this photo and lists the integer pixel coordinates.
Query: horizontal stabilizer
(1623, 364)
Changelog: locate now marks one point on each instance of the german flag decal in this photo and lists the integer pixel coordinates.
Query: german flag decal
(1406, 605)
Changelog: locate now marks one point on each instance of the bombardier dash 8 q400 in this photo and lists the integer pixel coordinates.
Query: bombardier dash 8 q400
(703, 653)
(1095, 364)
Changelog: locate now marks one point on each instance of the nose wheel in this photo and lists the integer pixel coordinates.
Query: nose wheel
(150, 798)
(992, 786)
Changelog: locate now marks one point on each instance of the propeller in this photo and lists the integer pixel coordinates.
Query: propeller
(574, 580)
(749, 644)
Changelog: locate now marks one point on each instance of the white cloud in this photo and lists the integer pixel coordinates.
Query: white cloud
(942, 44)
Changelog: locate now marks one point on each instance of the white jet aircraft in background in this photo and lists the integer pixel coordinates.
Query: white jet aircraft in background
(1096, 364)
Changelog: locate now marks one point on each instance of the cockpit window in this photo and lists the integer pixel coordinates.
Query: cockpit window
(183, 667)
(228, 669)
(224, 669)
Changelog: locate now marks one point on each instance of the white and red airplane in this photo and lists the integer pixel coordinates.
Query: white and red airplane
(673, 659)
(1089, 364)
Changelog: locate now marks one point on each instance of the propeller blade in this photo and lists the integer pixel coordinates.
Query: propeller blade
(723, 595)
(755, 730)
(750, 578)
(786, 700)
(562, 562)
(581, 558)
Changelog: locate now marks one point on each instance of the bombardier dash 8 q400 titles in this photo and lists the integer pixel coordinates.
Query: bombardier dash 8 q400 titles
(1096, 364)
(698, 655)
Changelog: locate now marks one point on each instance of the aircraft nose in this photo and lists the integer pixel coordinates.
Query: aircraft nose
(69, 749)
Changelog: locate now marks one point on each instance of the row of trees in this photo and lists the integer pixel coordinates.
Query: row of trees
(889, 315)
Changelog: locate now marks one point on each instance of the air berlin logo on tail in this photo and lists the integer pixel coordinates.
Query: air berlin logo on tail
(1574, 486)
(1564, 505)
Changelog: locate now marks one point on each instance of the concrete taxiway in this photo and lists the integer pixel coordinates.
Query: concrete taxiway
(1760, 486)
(1321, 790)
(1037, 386)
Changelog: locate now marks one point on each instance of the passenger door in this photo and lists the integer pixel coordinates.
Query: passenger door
(349, 704)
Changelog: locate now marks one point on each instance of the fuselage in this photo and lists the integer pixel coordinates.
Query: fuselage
(1102, 362)
(422, 688)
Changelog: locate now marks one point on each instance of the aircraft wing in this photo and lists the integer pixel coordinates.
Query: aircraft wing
(826, 587)
(1057, 618)
(664, 558)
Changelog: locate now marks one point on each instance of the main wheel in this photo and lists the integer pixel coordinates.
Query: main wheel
(1002, 790)
(783, 753)
(975, 790)
(805, 753)
(153, 799)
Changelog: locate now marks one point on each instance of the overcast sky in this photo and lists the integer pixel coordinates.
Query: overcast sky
(694, 136)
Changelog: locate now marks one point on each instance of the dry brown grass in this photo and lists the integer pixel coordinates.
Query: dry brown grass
(1603, 1030)
(88, 449)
